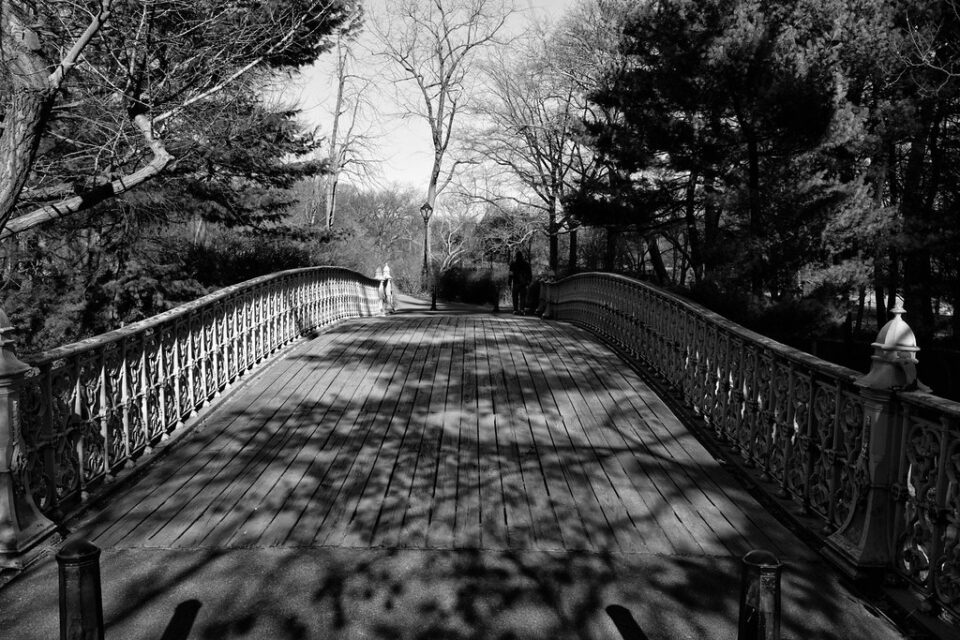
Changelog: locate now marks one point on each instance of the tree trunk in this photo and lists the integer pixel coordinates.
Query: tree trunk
(656, 259)
(711, 224)
(610, 255)
(27, 112)
(861, 306)
(756, 225)
(693, 233)
(955, 318)
(554, 241)
(333, 157)
(572, 265)
(881, 307)
(893, 278)
(916, 262)
(330, 201)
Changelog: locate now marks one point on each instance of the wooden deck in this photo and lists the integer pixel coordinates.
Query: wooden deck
(442, 431)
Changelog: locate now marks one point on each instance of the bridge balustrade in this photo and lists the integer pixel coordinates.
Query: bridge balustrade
(881, 470)
(88, 410)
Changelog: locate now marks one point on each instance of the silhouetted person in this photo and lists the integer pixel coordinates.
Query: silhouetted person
(520, 278)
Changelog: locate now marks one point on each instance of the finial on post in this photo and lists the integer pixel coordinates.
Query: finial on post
(894, 362)
(388, 300)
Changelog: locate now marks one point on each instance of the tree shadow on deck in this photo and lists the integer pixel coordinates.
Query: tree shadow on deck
(518, 494)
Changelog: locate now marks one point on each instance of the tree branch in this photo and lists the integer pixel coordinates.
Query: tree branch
(161, 158)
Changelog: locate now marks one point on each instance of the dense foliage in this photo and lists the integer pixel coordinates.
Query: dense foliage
(782, 148)
(140, 155)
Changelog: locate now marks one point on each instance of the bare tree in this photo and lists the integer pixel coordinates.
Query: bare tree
(348, 141)
(102, 109)
(434, 44)
(531, 110)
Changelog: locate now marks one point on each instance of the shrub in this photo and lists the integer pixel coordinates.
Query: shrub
(470, 286)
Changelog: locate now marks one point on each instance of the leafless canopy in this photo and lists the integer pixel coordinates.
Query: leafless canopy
(97, 95)
(434, 45)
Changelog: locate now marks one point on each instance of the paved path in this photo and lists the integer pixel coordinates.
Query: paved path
(438, 475)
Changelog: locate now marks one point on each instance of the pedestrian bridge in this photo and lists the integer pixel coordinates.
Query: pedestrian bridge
(292, 461)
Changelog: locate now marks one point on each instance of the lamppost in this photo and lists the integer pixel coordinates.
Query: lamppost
(425, 212)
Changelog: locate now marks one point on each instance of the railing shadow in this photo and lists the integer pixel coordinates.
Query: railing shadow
(428, 477)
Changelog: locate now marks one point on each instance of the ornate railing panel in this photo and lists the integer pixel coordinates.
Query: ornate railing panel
(91, 408)
(782, 410)
(926, 494)
(800, 421)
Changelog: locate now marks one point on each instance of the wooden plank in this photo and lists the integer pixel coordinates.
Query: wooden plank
(661, 531)
(466, 432)
(356, 425)
(422, 496)
(446, 511)
(179, 475)
(495, 403)
(597, 529)
(228, 485)
(728, 497)
(300, 526)
(680, 481)
(658, 490)
(493, 520)
(465, 458)
(386, 530)
(368, 512)
(408, 491)
(283, 494)
(728, 503)
(544, 494)
(249, 503)
(581, 418)
(352, 527)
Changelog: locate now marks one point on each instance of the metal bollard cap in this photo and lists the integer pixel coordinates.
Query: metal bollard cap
(78, 551)
(761, 558)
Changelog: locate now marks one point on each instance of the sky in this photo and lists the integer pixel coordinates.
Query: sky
(402, 146)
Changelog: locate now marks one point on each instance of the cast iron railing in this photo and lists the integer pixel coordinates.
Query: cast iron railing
(83, 412)
(880, 468)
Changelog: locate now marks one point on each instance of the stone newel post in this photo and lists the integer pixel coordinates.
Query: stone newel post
(391, 304)
(381, 291)
(20, 524)
(863, 541)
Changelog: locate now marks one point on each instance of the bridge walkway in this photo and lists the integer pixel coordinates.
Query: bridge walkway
(444, 474)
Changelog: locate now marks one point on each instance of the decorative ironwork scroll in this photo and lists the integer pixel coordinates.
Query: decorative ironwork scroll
(89, 409)
(799, 420)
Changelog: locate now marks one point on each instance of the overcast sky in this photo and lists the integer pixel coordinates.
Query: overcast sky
(402, 145)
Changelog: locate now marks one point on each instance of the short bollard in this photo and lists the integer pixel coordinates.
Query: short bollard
(760, 596)
(81, 604)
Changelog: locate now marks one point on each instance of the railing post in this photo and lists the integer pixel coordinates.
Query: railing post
(20, 521)
(381, 291)
(863, 539)
(547, 290)
(389, 302)
(81, 602)
(759, 619)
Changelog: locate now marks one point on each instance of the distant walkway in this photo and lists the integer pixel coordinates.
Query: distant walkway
(425, 475)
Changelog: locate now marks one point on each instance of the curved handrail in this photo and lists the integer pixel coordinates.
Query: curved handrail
(88, 409)
(146, 324)
(801, 421)
(788, 352)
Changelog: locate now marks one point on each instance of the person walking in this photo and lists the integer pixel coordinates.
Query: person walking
(520, 278)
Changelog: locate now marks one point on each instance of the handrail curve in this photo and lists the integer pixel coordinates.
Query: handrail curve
(804, 424)
(89, 409)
